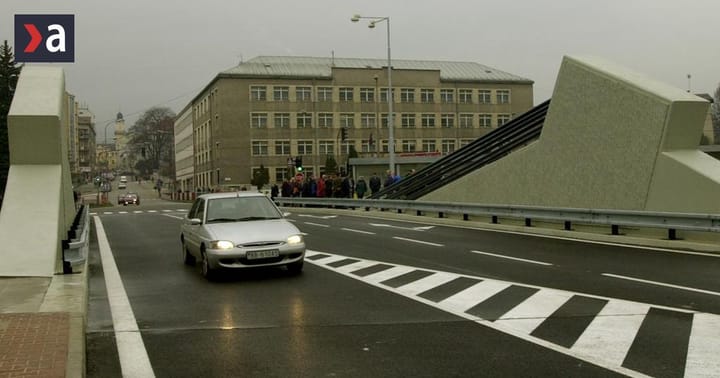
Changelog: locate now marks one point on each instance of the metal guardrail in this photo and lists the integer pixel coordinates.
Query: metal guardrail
(613, 218)
(76, 248)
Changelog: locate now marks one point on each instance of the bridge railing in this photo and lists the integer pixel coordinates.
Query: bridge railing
(614, 219)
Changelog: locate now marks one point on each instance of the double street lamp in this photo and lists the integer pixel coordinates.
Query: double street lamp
(391, 131)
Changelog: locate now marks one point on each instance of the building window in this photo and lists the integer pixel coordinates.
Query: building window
(408, 120)
(281, 93)
(347, 120)
(367, 95)
(447, 96)
(428, 145)
(466, 121)
(281, 174)
(367, 146)
(259, 148)
(447, 146)
(282, 120)
(305, 147)
(324, 94)
(407, 95)
(408, 145)
(485, 120)
(447, 121)
(427, 96)
(384, 146)
(325, 120)
(326, 147)
(384, 95)
(503, 119)
(304, 120)
(258, 93)
(346, 94)
(282, 147)
(465, 96)
(384, 120)
(367, 120)
(258, 120)
(345, 146)
(302, 93)
(484, 96)
(503, 96)
(427, 120)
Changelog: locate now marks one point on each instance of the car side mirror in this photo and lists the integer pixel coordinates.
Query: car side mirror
(286, 214)
(195, 221)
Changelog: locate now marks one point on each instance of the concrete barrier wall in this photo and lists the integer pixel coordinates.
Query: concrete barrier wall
(610, 141)
(38, 206)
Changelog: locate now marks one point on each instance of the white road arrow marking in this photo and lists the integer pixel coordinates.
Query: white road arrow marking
(419, 228)
(318, 216)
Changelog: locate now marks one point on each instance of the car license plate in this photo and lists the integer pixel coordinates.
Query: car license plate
(268, 253)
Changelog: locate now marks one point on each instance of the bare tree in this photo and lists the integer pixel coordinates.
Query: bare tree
(152, 139)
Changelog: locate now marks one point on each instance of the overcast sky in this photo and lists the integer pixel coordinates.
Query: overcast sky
(132, 55)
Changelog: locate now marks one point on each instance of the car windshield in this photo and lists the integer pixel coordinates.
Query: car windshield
(237, 209)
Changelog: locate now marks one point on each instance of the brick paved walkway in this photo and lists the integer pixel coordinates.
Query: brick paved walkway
(33, 344)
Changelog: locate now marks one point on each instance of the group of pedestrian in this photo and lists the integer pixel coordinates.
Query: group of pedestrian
(329, 186)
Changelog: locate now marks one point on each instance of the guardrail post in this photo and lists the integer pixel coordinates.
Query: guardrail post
(466, 217)
(615, 229)
(672, 234)
(441, 215)
(494, 219)
(568, 226)
(399, 211)
(418, 213)
(528, 222)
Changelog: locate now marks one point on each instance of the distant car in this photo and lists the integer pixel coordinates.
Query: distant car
(122, 185)
(237, 231)
(129, 199)
(123, 179)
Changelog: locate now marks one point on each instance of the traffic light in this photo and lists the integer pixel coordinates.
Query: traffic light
(298, 164)
(343, 134)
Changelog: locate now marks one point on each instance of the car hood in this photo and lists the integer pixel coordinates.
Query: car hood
(252, 231)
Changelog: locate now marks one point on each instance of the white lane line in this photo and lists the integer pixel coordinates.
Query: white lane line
(715, 293)
(122, 212)
(316, 224)
(134, 360)
(418, 241)
(528, 315)
(473, 295)
(152, 211)
(358, 231)
(356, 266)
(137, 211)
(426, 283)
(512, 258)
(703, 347)
(173, 216)
(387, 274)
(612, 332)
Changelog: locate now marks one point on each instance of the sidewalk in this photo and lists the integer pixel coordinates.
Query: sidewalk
(42, 326)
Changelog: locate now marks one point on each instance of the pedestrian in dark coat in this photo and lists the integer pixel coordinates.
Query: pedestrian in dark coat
(361, 187)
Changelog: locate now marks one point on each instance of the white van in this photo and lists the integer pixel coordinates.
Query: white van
(123, 179)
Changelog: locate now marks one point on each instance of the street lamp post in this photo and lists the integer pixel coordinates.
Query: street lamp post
(391, 130)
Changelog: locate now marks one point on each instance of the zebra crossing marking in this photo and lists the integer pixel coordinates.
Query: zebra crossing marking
(608, 332)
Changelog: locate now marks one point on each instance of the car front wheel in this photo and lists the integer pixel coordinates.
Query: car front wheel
(296, 267)
(207, 271)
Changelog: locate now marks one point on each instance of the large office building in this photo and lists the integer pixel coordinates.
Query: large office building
(267, 111)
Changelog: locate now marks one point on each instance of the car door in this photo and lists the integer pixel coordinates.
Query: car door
(191, 231)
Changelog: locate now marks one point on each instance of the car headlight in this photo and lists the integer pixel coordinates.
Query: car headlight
(295, 239)
(221, 244)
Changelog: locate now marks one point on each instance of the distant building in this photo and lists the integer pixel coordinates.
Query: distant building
(86, 143)
(269, 110)
(184, 168)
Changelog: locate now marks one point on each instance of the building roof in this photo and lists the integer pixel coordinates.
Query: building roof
(319, 67)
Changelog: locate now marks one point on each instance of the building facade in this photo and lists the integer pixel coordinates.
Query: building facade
(86, 143)
(268, 111)
(184, 168)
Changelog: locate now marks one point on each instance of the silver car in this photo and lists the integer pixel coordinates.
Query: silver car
(239, 230)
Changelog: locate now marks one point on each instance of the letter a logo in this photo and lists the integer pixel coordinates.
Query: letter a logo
(56, 31)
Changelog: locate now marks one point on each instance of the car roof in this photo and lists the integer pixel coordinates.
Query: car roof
(231, 195)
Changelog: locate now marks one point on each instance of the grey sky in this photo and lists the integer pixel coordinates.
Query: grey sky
(132, 54)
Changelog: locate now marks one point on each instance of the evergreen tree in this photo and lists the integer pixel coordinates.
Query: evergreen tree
(9, 73)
